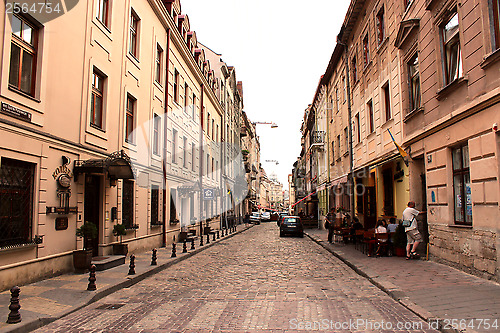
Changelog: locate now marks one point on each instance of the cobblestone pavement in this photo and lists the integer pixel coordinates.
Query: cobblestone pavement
(253, 282)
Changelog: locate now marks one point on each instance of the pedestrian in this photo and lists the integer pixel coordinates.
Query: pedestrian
(412, 234)
(329, 224)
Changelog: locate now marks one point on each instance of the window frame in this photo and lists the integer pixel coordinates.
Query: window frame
(24, 47)
(96, 93)
(159, 64)
(130, 118)
(414, 97)
(380, 25)
(449, 44)
(102, 12)
(156, 134)
(366, 50)
(386, 92)
(134, 27)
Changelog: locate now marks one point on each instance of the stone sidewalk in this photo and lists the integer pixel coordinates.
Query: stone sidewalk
(47, 300)
(429, 289)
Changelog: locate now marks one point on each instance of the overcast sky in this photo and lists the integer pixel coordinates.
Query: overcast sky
(280, 49)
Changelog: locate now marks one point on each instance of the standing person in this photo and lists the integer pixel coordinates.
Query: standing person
(329, 224)
(412, 234)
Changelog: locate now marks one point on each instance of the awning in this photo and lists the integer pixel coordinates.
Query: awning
(116, 166)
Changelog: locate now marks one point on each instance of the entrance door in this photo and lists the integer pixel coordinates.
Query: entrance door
(371, 207)
(388, 192)
(92, 207)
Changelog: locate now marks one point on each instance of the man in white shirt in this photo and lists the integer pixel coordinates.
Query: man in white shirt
(412, 235)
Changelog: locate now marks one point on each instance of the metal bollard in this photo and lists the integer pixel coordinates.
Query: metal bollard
(131, 266)
(218, 236)
(92, 286)
(213, 239)
(184, 246)
(14, 315)
(208, 238)
(153, 258)
(174, 252)
(192, 244)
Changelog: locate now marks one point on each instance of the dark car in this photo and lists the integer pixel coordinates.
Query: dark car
(280, 218)
(291, 225)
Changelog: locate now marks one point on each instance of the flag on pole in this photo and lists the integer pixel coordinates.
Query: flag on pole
(403, 154)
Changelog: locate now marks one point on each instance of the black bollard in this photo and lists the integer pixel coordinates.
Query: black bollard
(192, 244)
(201, 240)
(208, 238)
(92, 286)
(184, 247)
(174, 251)
(213, 239)
(14, 315)
(218, 236)
(153, 258)
(131, 266)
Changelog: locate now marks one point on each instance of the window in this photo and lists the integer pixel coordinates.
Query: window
(346, 137)
(186, 97)
(414, 83)
(16, 201)
(354, 70)
(213, 169)
(208, 165)
(156, 134)
(158, 60)
(366, 50)
(134, 29)
(358, 127)
(129, 122)
(96, 103)
(155, 196)
(213, 129)
(174, 146)
(102, 11)
(380, 26)
(173, 208)
(496, 22)
(344, 87)
(208, 124)
(184, 152)
(337, 99)
(176, 86)
(371, 124)
(193, 156)
(217, 133)
(387, 101)
(128, 204)
(23, 55)
(462, 186)
(338, 145)
(194, 106)
(452, 58)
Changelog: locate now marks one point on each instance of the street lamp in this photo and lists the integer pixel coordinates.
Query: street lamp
(273, 125)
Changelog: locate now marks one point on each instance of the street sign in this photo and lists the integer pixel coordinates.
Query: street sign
(208, 194)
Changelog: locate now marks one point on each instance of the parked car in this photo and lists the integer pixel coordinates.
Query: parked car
(255, 218)
(291, 225)
(280, 217)
(265, 216)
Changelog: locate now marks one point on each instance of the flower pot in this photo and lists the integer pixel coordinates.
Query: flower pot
(82, 259)
(120, 249)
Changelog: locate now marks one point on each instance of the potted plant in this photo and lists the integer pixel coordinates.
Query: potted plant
(399, 241)
(83, 258)
(120, 231)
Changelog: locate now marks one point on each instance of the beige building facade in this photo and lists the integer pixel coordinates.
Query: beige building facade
(106, 115)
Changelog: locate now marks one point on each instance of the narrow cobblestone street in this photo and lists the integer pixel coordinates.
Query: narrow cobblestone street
(253, 282)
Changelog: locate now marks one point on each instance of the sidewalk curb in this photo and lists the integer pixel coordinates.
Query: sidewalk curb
(390, 289)
(130, 281)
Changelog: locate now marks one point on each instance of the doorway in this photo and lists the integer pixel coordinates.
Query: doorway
(370, 204)
(92, 207)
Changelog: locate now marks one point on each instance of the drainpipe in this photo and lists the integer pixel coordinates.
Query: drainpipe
(349, 121)
(165, 123)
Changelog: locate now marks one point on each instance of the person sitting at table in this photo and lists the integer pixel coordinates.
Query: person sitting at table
(355, 225)
(380, 229)
(391, 227)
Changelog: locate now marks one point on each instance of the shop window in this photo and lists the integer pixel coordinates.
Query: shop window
(452, 58)
(128, 204)
(23, 55)
(462, 186)
(16, 202)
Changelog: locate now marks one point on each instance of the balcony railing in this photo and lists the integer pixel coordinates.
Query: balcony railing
(318, 137)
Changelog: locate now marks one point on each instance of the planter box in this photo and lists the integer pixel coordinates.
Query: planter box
(120, 249)
(82, 260)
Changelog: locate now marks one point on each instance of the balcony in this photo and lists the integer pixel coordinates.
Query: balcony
(318, 137)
